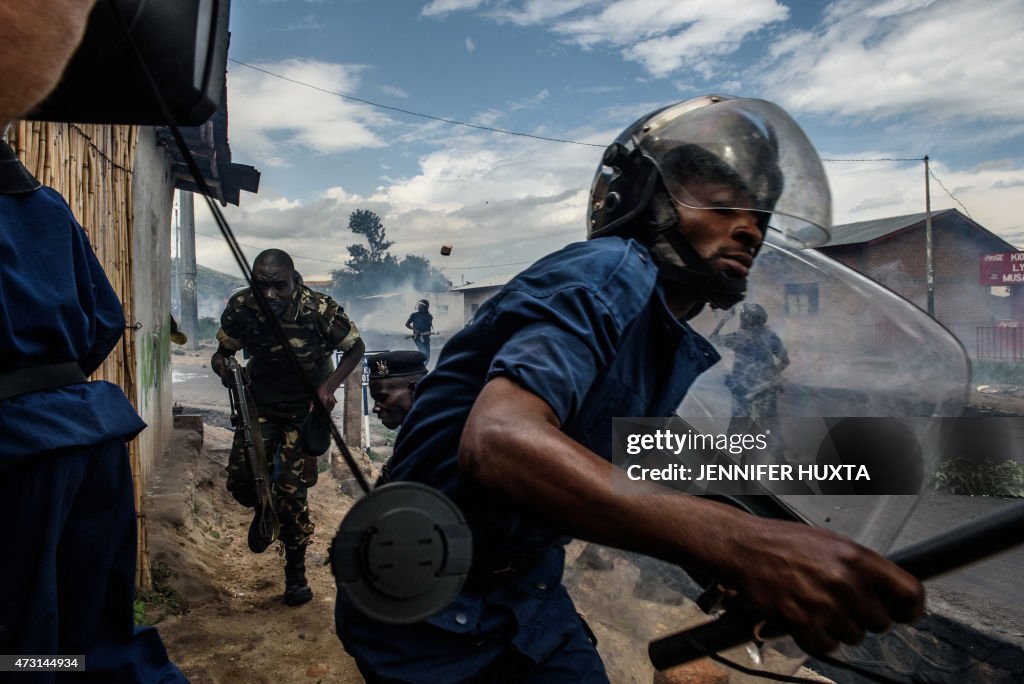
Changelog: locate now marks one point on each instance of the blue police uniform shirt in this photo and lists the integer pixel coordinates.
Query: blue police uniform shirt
(588, 330)
(56, 305)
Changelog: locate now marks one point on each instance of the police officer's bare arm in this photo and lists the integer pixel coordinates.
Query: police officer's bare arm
(825, 587)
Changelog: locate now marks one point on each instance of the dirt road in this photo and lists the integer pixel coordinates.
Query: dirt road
(219, 607)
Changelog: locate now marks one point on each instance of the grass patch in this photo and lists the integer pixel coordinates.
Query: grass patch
(976, 477)
(153, 606)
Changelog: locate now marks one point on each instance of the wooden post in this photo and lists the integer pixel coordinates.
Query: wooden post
(352, 421)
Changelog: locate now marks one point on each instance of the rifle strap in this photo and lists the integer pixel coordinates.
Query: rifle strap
(39, 378)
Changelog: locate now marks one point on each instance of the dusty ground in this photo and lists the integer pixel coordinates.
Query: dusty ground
(227, 623)
(232, 625)
(220, 610)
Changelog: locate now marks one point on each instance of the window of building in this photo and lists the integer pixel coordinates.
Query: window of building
(802, 299)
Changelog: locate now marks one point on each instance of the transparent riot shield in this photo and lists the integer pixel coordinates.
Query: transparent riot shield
(829, 371)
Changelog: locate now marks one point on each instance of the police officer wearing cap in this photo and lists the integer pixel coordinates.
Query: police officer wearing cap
(393, 379)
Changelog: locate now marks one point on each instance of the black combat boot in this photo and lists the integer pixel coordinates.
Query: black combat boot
(296, 589)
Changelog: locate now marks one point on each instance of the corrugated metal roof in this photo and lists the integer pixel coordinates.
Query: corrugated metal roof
(866, 231)
(493, 281)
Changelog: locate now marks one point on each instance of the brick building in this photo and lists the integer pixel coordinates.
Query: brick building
(891, 251)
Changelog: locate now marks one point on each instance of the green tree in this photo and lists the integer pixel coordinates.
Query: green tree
(422, 275)
(372, 269)
(366, 223)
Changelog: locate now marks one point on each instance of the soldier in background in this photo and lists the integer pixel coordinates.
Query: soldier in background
(316, 327)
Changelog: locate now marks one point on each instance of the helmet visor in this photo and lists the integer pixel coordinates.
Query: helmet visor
(747, 155)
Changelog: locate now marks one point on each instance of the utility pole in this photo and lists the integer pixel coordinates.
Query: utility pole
(929, 257)
(187, 263)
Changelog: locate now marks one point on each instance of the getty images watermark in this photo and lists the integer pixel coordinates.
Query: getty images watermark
(666, 441)
(777, 456)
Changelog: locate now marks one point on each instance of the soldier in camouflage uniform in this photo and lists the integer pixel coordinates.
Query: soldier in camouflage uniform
(316, 327)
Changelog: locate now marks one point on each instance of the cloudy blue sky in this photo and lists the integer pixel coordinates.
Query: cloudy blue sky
(330, 131)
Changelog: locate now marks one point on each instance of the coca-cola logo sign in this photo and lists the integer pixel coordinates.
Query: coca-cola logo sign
(1004, 268)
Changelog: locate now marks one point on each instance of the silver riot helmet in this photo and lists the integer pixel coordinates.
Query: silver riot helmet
(750, 152)
(752, 315)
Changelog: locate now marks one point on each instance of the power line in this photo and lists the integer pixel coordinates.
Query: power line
(503, 131)
(453, 122)
(941, 185)
(930, 172)
(468, 268)
(879, 159)
(339, 263)
(293, 256)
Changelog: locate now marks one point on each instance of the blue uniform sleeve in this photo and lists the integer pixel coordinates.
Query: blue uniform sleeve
(559, 338)
(557, 359)
(108, 316)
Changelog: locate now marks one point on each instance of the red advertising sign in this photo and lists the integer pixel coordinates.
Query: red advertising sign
(1004, 268)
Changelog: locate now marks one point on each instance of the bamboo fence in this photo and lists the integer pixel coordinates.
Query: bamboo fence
(91, 166)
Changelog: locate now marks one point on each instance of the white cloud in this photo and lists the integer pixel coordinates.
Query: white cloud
(923, 66)
(989, 192)
(470, 45)
(497, 200)
(531, 102)
(440, 7)
(270, 116)
(664, 36)
(938, 60)
(261, 203)
(310, 22)
(534, 12)
(889, 8)
(393, 91)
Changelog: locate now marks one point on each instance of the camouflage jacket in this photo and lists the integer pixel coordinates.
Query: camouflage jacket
(315, 325)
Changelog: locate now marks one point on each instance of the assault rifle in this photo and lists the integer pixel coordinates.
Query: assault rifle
(265, 526)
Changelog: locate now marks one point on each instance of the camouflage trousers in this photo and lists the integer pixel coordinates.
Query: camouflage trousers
(292, 472)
